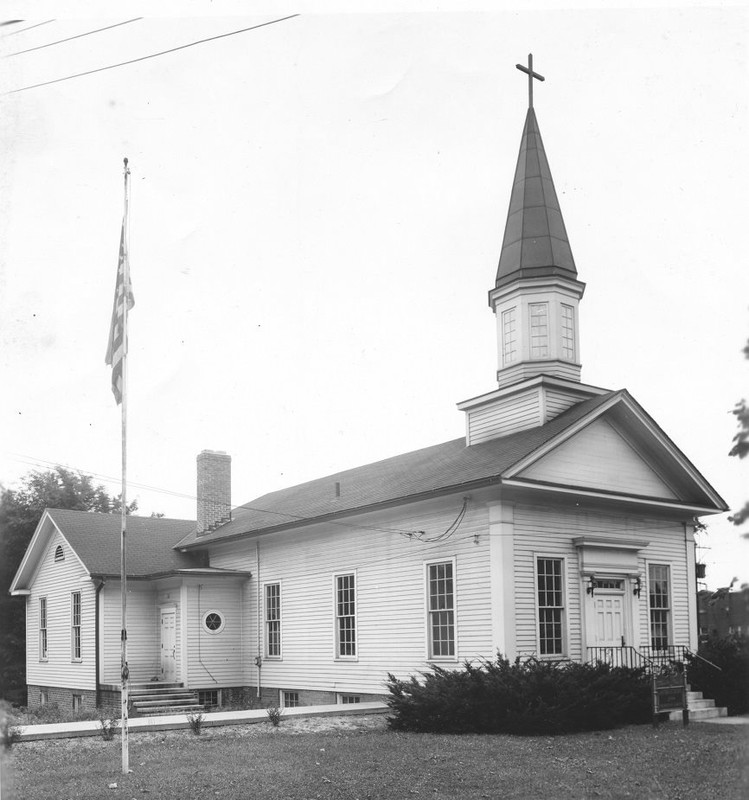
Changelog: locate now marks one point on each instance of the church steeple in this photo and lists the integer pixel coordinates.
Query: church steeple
(536, 293)
(535, 299)
(535, 241)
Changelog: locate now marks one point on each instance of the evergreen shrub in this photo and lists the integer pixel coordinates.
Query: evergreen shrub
(527, 698)
(729, 686)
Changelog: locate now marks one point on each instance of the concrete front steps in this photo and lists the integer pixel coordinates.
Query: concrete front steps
(152, 699)
(699, 708)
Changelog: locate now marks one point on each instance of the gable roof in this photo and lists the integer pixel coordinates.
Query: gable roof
(95, 541)
(431, 470)
(452, 466)
(150, 542)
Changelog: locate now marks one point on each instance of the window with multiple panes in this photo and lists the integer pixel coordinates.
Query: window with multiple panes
(549, 577)
(273, 620)
(348, 699)
(213, 621)
(539, 318)
(290, 699)
(509, 337)
(43, 628)
(659, 584)
(441, 609)
(209, 698)
(345, 615)
(75, 626)
(568, 332)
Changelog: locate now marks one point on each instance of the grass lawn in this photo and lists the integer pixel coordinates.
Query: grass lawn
(357, 757)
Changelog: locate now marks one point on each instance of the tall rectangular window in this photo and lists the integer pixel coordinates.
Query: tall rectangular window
(509, 337)
(75, 626)
(273, 620)
(568, 332)
(345, 614)
(659, 580)
(550, 606)
(539, 317)
(42, 628)
(441, 610)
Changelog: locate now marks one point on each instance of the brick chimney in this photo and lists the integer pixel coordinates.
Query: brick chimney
(214, 490)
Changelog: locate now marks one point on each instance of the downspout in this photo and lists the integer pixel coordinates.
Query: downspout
(259, 656)
(200, 636)
(97, 657)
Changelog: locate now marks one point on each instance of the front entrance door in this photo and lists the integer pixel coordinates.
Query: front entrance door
(608, 619)
(608, 616)
(169, 645)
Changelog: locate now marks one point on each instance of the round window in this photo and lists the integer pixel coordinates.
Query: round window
(213, 621)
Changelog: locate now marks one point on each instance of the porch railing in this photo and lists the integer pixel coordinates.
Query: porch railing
(649, 658)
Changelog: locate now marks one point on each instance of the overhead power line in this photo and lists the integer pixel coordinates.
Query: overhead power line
(152, 55)
(70, 38)
(38, 25)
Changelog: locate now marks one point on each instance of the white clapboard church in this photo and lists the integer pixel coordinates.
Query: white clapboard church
(560, 526)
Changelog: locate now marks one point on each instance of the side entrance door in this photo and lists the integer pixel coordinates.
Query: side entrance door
(168, 645)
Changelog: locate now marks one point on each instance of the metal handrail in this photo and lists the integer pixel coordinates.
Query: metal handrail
(647, 657)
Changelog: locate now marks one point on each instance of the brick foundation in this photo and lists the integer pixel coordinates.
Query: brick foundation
(61, 697)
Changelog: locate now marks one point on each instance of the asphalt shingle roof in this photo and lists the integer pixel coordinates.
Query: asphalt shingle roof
(431, 469)
(150, 542)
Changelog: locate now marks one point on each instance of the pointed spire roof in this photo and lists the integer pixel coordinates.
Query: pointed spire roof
(535, 242)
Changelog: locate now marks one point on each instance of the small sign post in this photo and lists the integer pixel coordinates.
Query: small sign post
(670, 694)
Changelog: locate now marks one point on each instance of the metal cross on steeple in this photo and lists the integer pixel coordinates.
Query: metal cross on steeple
(531, 75)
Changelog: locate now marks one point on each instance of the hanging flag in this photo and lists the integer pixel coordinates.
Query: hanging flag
(117, 333)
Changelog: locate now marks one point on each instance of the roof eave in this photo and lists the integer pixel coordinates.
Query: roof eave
(691, 509)
(303, 523)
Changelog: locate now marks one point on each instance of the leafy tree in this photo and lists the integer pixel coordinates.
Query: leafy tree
(741, 446)
(20, 512)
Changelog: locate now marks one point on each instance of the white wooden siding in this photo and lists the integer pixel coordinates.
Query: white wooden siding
(391, 613)
(505, 415)
(550, 532)
(530, 369)
(215, 659)
(56, 581)
(142, 637)
(599, 458)
(558, 401)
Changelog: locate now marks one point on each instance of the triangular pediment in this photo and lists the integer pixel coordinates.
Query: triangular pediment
(599, 457)
(618, 450)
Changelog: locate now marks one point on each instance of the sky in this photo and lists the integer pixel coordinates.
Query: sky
(317, 209)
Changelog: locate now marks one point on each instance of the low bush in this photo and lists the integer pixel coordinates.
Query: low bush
(274, 715)
(195, 718)
(9, 733)
(729, 685)
(528, 698)
(109, 727)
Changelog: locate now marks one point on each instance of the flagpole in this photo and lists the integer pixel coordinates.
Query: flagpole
(125, 672)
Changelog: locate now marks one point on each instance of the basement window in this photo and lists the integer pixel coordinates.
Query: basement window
(348, 699)
(209, 698)
(290, 699)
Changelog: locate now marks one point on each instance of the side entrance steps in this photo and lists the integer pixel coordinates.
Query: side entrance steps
(151, 699)
(699, 708)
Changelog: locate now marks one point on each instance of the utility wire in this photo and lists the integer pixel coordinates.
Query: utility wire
(244, 507)
(38, 24)
(152, 55)
(70, 38)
